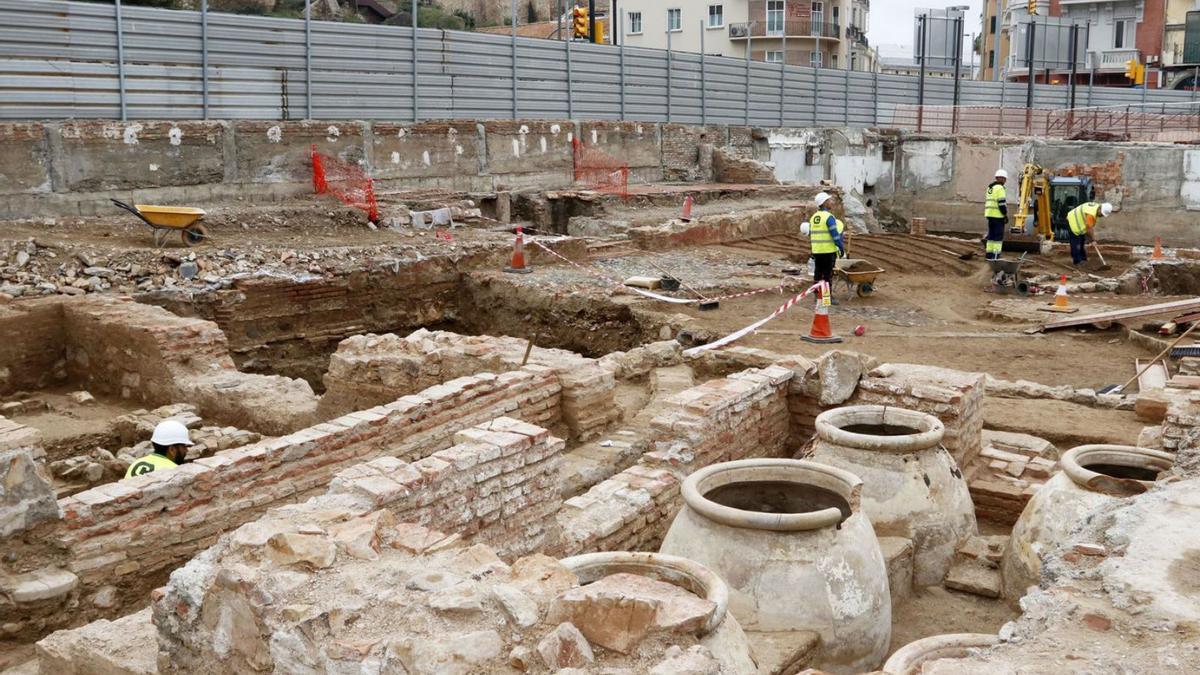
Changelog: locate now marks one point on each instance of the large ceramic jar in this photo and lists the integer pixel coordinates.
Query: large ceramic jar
(791, 540)
(722, 635)
(912, 487)
(1090, 476)
(912, 657)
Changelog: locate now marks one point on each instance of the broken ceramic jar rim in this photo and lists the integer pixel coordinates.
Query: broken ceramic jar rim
(801, 472)
(1075, 461)
(831, 428)
(909, 658)
(689, 575)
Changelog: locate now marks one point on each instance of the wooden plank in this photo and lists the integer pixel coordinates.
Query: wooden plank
(1059, 310)
(1131, 313)
(1184, 382)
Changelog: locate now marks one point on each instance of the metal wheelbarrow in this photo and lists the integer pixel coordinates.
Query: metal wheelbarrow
(861, 280)
(166, 219)
(1006, 276)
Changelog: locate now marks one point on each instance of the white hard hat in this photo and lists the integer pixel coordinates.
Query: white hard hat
(821, 198)
(1001, 173)
(170, 432)
(1105, 209)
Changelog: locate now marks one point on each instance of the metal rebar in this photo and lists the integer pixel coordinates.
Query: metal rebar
(204, 59)
(120, 60)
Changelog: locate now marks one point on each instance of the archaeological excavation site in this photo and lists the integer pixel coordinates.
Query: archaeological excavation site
(497, 411)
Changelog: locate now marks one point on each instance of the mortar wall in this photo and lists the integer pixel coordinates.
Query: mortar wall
(33, 352)
(129, 534)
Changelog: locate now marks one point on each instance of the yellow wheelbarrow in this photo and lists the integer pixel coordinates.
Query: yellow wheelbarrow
(166, 219)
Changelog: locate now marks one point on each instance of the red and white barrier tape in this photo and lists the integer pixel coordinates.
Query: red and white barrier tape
(655, 296)
(739, 334)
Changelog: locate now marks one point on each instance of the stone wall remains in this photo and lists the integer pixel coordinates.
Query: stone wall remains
(371, 369)
(742, 416)
(495, 486)
(116, 541)
(146, 354)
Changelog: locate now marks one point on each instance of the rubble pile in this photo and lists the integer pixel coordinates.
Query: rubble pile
(330, 592)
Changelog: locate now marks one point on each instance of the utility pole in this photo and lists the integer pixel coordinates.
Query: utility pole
(592, 20)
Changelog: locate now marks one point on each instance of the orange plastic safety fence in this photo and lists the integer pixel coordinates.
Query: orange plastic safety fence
(346, 181)
(599, 171)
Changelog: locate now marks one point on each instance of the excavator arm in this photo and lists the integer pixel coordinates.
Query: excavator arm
(1033, 209)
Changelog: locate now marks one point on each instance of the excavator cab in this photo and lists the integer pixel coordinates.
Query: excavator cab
(1067, 192)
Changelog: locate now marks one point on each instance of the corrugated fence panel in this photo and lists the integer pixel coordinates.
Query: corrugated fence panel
(58, 59)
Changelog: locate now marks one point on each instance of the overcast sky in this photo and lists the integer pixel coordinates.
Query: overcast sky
(891, 29)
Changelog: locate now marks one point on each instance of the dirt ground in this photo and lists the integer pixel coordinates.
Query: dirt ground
(937, 611)
(932, 318)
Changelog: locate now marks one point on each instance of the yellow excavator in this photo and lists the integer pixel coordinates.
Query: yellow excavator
(1045, 201)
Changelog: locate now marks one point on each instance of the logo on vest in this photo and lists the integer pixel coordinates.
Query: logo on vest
(140, 468)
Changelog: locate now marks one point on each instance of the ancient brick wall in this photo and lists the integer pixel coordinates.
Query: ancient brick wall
(32, 355)
(742, 416)
(495, 486)
(682, 157)
(953, 396)
(371, 369)
(125, 536)
(728, 167)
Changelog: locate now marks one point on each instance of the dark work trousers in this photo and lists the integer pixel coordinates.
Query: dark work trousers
(995, 234)
(1078, 247)
(824, 263)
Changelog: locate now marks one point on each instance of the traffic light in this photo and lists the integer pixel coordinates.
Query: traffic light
(579, 21)
(1135, 71)
(1031, 5)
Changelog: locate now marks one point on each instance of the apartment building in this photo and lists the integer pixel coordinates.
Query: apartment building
(993, 45)
(1112, 33)
(1181, 44)
(821, 33)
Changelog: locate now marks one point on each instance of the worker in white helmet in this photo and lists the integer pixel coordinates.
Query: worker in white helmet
(1082, 222)
(825, 238)
(995, 209)
(171, 442)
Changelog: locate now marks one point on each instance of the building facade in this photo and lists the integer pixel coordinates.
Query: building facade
(1112, 33)
(1181, 44)
(992, 48)
(821, 33)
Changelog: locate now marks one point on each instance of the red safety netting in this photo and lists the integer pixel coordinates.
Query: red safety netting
(599, 171)
(346, 181)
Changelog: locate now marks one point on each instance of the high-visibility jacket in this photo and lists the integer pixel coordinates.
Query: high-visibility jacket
(151, 462)
(1082, 217)
(820, 236)
(995, 204)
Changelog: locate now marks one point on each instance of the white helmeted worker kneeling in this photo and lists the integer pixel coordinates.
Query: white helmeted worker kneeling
(171, 442)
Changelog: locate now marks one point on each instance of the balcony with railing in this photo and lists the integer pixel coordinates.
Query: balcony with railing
(1114, 59)
(858, 35)
(794, 28)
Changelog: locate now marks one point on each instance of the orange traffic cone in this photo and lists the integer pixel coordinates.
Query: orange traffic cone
(1158, 254)
(821, 332)
(1060, 296)
(687, 209)
(517, 265)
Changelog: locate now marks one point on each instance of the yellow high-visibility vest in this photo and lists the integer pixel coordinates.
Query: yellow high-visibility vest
(991, 204)
(819, 235)
(1077, 218)
(149, 463)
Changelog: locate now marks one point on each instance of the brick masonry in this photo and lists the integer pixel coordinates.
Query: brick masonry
(744, 415)
(953, 396)
(371, 369)
(145, 354)
(495, 486)
(127, 535)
